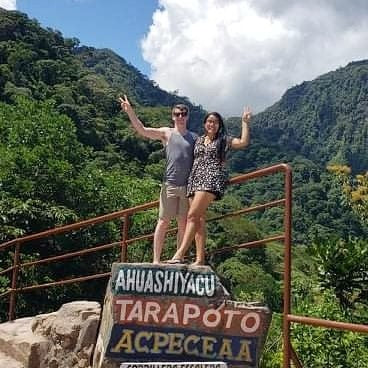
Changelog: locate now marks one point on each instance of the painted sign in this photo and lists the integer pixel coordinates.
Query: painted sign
(163, 281)
(174, 365)
(179, 314)
(229, 317)
(131, 342)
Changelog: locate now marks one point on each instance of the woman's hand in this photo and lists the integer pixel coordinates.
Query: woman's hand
(243, 141)
(247, 114)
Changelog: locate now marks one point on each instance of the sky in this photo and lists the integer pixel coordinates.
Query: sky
(221, 54)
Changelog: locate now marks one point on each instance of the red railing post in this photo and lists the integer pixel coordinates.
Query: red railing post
(294, 358)
(13, 292)
(124, 238)
(287, 268)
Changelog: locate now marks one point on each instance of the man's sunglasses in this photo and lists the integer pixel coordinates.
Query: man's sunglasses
(181, 113)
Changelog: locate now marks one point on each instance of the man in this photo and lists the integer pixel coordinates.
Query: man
(179, 144)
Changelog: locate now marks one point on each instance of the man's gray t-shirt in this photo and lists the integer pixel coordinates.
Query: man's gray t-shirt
(179, 157)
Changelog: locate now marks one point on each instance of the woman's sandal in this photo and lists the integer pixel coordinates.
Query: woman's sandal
(174, 261)
(197, 264)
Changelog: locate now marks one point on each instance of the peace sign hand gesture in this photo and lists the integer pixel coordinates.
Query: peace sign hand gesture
(125, 104)
(247, 114)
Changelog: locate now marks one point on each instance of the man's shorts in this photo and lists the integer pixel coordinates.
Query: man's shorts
(173, 201)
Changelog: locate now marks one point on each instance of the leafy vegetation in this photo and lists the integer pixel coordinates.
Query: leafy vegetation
(67, 154)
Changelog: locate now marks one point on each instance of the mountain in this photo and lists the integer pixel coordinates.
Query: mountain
(314, 123)
(83, 82)
(67, 150)
(323, 120)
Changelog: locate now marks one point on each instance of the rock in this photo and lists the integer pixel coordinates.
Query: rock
(9, 362)
(87, 334)
(18, 342)
(63, 339)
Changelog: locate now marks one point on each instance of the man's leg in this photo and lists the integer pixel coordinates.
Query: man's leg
(166, 213)
(159, 238)
(182, 222)
(181, 215)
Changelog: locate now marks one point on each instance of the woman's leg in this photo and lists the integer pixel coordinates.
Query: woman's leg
(200, 242)
(197, 210)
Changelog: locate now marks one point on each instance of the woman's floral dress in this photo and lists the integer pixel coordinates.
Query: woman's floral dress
(208, 172)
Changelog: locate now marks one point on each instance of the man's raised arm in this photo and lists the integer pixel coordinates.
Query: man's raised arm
(152, 133)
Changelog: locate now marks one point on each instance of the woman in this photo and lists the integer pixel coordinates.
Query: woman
(207, 179)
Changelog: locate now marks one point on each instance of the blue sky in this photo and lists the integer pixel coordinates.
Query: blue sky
(115, 24)
(221, 54)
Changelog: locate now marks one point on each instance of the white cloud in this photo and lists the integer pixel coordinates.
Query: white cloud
(8, 4)
(223, 54)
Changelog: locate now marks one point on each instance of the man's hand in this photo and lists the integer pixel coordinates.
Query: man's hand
(125, 104)
(151, 133)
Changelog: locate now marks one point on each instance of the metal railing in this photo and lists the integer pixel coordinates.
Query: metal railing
(124, 242)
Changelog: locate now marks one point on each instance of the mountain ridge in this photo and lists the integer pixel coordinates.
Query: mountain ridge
(313, 124)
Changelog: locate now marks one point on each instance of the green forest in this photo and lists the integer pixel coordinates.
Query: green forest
(67, 153)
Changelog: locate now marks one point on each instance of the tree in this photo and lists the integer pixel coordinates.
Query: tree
(320, 347)
(343, 268)
(40, 156)
(355, 189)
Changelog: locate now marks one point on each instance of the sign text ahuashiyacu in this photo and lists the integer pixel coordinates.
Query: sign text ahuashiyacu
(156, 281)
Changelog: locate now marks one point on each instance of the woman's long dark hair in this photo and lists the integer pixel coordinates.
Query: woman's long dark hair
(221, 135)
